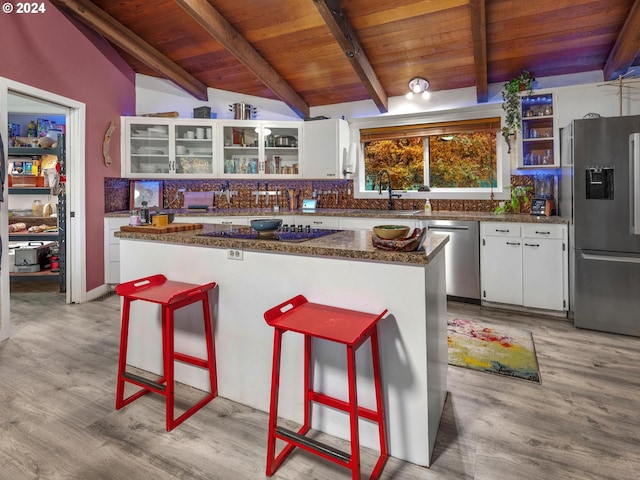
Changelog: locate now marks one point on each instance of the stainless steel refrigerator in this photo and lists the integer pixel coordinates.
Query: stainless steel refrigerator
(600, 193)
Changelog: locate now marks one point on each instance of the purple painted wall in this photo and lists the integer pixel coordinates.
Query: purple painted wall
(52, 52)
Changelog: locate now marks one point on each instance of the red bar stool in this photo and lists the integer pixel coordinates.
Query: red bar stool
(171, 296)
(350, 328)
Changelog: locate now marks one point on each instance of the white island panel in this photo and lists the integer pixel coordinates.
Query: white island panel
(413, 338)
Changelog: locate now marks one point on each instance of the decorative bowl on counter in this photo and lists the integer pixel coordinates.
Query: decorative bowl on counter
(409, 244)
(266, 226)
(391, 232)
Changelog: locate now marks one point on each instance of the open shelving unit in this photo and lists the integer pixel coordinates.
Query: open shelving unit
(58, 236)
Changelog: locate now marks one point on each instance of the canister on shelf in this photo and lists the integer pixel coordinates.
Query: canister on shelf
(36, 208)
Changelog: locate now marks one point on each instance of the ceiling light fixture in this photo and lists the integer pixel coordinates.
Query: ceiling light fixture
(418, 85)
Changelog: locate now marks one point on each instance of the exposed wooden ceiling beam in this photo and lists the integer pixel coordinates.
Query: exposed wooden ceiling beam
(627, 46)
(115, 32)
(479, 35)
(348, 41)
(220, 29)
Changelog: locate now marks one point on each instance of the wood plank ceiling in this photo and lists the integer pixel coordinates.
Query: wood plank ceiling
(318, 52)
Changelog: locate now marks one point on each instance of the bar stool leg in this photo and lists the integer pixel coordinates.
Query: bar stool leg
(354, 462)
(308, 384)
(380, 418)
(211, 349)
(168, 346)
(272, 465)
(122, 359)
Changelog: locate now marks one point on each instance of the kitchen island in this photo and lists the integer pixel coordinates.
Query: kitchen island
(342, 269)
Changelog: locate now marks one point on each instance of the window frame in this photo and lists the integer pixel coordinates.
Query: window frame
(503, 160)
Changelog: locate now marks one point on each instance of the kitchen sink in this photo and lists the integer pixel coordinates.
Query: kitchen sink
(385, 212)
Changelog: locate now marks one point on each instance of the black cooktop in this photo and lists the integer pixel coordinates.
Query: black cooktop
(247, 233)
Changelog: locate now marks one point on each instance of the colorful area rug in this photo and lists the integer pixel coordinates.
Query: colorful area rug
(501, 350)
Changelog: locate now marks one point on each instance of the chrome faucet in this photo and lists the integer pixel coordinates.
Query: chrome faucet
(391, 194)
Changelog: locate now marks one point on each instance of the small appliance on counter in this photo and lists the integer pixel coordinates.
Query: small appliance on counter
(309, 205)
(543, 203)
(32, 256)
(545, 207)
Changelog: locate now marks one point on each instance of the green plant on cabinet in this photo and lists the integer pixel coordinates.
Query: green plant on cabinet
(511, 103)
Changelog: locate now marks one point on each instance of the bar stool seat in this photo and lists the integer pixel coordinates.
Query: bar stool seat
(171, 296)
(347, 327)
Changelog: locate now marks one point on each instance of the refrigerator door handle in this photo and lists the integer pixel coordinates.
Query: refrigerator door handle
(634, 181)
(611, 258)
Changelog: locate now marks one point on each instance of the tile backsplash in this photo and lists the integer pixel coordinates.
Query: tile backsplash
(329, 193)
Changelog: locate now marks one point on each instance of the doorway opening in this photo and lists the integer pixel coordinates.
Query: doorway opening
(74, 217)
(36, 198)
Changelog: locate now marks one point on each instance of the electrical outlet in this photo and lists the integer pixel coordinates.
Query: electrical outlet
(234, 254)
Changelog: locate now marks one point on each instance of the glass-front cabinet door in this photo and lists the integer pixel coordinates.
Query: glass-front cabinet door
(539, 140)
(147, 147)
(241, 149)
(193, 150)
(261, 149)
(155, 148)
(282, 145)
(171, 148)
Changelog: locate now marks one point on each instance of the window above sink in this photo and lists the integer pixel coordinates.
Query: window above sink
(458, 154)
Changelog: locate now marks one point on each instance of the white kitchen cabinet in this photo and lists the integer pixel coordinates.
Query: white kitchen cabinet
(265, 149)
(112, 248)
(501, 269)
(167, 148)
(326, 148)
(524, 264)
(544, 259)
(202, 148)
(194, 148)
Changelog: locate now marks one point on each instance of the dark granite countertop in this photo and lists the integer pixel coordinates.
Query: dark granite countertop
(327, 212)
(349, 244)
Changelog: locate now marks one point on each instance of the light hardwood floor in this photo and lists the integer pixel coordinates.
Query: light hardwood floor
(57, 417)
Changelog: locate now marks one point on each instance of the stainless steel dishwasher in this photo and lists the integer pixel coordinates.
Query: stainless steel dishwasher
(462, 257)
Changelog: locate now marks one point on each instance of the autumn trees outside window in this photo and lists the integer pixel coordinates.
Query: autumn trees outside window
(452, 155)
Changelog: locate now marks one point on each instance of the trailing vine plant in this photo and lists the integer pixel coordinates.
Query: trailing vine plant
(511, 103)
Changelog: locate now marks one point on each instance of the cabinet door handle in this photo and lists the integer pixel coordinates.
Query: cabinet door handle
(513, 243)
(531, 244)
(502, 231)
(543, 233)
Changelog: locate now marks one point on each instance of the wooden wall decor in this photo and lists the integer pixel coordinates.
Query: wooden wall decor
(105, 144)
